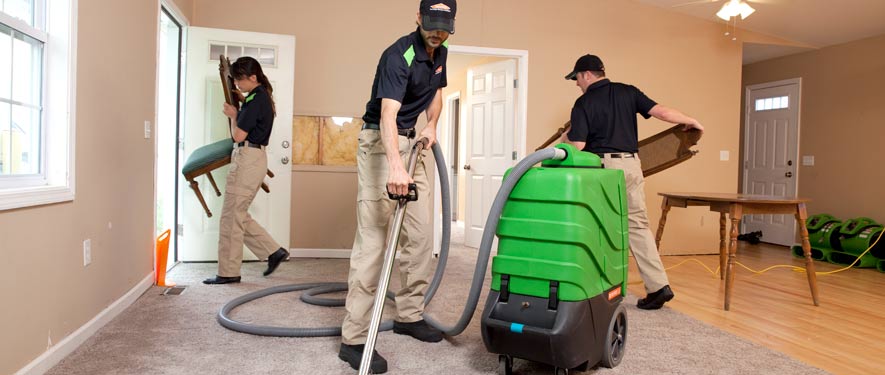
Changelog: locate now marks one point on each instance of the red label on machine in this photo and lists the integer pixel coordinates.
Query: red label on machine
(614, 293)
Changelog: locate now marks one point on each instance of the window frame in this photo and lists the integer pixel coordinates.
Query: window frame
(56, 26)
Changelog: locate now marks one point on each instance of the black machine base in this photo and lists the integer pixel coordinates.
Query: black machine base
(573, 335)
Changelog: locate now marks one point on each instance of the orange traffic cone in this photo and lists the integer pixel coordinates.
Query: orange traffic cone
(162, 257)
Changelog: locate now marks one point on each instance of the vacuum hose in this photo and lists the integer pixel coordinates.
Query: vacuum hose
(311, 290)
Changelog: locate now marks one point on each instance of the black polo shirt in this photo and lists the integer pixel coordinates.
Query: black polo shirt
(256, 116)
(605, 117)
(407, 74)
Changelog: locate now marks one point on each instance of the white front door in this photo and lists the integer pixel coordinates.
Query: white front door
(771, 153)
(490, 131)
(204, 123)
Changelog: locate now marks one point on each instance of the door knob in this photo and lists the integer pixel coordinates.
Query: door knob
(466, 167)
(789, 174)
(284, 160)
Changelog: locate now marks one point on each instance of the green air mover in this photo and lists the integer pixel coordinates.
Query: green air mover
(823, 234)
(855, 236)
(561, 269)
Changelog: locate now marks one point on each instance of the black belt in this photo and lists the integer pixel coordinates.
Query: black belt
(248, 144)
(408, 133)
(616, 155)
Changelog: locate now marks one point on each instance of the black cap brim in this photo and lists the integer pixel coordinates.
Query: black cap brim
(431, 23)
(572, 76)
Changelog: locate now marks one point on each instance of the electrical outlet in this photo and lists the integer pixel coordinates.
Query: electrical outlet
(147, 129)
(87, 252)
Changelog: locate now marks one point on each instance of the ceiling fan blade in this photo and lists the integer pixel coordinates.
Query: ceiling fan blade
(695, 3)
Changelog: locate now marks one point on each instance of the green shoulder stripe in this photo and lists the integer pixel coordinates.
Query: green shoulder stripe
(446, 43)
(249, 98)
(409, 55)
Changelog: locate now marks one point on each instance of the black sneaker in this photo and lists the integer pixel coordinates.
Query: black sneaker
(353, 355)
(222, 280)
(419, 330)
(655, 300)
(274, 260)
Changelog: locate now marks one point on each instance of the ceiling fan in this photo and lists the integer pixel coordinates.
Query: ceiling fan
(730, 8)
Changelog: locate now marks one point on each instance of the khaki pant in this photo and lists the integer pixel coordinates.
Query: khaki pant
(374, 213)
(247, 169)
(642, 242)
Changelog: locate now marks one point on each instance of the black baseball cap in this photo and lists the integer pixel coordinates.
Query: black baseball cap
(438, 15)
(585, 63)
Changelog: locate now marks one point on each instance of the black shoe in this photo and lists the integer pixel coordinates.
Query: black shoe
(419, 330)
(273, 261)
(222, 280)
(656, 300)
(353, 354)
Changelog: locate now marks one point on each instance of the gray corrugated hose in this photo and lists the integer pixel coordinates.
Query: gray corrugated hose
(313, 289)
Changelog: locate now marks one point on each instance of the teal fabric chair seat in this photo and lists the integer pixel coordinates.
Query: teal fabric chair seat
(206, 159)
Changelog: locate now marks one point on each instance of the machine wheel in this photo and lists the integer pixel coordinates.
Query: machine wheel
(560, 371)
(505, 364)
(615, 339)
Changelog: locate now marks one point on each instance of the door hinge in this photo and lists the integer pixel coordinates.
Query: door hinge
(515, 83)
(514, 155)
(180, 230)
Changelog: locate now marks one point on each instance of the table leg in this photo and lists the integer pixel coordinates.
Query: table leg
(665, 208)
(735, 213)
(801, 216)
(723, 245)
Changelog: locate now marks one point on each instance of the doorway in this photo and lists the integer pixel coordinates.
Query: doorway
(771, 149)
(480, 85)
(167, 156)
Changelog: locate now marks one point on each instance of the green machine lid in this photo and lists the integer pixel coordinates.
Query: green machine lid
(574, 158)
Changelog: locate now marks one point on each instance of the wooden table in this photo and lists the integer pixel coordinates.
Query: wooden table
(737, 205)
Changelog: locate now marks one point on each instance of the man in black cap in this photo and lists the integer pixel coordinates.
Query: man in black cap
(408, 81)
(604, 122)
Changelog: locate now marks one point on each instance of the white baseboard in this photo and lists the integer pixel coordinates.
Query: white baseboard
(64, 347)
(320, 253)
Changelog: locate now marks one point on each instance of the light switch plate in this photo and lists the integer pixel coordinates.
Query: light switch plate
(723, 155)
(808, 160)
(147, 130)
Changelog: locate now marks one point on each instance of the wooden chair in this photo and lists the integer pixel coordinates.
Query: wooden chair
(206, 159)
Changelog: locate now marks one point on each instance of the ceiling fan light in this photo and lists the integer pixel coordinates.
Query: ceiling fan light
(746, 10)
(725, 12)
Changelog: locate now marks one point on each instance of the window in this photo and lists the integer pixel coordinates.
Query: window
(37, 39)
(768, 104)
(266, 56)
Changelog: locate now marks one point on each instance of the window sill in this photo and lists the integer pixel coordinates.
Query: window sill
(35, 196)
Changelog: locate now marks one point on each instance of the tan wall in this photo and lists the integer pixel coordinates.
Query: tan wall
(840, 124)
(46, 291)
(677, 60)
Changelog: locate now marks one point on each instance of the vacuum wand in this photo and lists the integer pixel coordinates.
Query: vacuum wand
(389, 255)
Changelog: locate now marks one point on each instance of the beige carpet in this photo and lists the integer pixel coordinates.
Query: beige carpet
(179, 334)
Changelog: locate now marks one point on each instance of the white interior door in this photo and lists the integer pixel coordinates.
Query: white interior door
(772, 150)
(490, 130)
(205, 123)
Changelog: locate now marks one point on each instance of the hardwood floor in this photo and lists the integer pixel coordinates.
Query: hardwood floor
(844, 335)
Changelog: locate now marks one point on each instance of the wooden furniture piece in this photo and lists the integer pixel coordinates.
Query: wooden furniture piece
(656, 153)
(206, 159)
(735, 206)
(667, 148)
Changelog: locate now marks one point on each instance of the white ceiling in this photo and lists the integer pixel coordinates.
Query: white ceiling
(818, 23)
